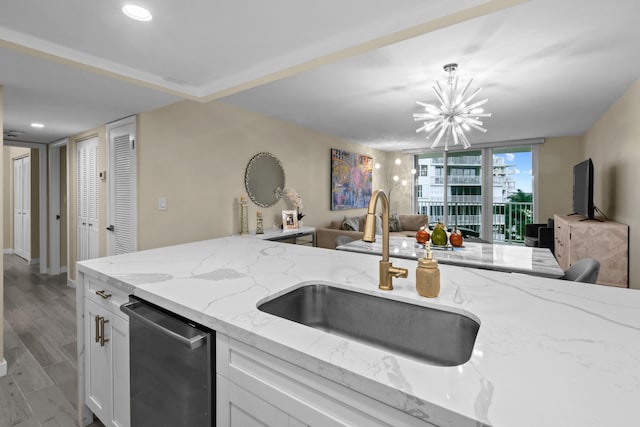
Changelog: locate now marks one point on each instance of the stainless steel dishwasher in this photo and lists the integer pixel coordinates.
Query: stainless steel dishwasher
(172, 363)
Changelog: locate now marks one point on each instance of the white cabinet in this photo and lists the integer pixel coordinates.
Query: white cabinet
(106, 353)
(257, 389)
(247, 410)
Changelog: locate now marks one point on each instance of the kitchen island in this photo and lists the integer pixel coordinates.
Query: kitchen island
(548, 352)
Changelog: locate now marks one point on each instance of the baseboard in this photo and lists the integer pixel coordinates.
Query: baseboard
(8, 251)
(71, 283)
(3, 368)
(34, 261)
(63, 269)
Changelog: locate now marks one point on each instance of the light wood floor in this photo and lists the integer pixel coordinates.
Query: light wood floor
(40, 388)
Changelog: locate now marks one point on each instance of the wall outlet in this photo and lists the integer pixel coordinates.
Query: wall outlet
(162, 204)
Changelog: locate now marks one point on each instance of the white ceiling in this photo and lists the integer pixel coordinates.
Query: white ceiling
(548, 67)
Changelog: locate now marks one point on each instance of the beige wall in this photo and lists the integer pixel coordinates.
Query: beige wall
(613, 143)
(7, 196)
(195, 155)
(2, 165)
(35, 204)
(556, 158)
(400, 196)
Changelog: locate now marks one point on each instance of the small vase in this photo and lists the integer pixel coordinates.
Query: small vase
(244, 216)
(259, 225)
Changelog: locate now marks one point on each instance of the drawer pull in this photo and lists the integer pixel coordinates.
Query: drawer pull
(97, 328)
(103, 294)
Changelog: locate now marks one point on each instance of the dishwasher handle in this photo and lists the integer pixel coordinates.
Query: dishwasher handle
(192, 343)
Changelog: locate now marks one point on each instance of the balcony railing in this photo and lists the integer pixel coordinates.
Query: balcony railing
(458, 160)
(465, 199)
(467, 180)
(508, 218)
(500, 181)
(466, 160)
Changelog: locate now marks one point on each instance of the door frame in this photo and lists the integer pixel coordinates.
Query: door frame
(113, 129)
(486, 150)
(42, 197)
(21, 185)
(54, 205)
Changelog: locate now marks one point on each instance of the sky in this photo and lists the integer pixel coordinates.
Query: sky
(521, 169)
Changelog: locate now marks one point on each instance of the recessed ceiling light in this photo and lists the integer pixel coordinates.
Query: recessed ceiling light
(37, 125)
(136, 12)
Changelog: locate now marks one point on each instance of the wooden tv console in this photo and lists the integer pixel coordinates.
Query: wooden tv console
(607, 241)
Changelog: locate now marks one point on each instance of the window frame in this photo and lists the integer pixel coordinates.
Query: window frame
(486, 152)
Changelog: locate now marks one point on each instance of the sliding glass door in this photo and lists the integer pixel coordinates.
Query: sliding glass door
(486, 193)
(430, 186)
(512, 193)
(464, 192)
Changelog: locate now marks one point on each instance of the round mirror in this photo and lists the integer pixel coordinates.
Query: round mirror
(264, 179)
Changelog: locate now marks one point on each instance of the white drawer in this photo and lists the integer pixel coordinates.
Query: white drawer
(103, 294)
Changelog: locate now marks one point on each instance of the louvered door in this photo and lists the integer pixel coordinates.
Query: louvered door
(87, 199)
(122, 187)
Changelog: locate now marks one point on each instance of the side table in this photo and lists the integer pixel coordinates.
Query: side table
(277, 235)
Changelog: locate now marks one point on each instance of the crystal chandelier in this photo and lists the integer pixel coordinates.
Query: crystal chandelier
(455, 115)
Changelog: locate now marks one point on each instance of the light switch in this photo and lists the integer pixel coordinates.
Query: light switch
(162, 204)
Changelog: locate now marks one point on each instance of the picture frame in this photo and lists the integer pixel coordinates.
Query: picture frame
(289, 219)
(351, 180)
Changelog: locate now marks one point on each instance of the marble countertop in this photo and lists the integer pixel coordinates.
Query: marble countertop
(510, 258)
(279, 234)
(548, 352)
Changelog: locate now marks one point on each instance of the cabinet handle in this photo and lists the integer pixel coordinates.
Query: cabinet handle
(102, 338)
(97, 328)
(103, 294)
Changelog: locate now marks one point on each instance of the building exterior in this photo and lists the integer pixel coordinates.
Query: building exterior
(464, 191)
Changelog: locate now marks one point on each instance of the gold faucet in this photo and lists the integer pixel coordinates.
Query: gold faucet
(387, 270)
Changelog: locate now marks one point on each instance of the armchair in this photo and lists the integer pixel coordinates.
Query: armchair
(540, 235)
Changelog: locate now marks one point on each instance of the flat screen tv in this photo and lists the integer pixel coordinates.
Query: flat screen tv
(583, 189)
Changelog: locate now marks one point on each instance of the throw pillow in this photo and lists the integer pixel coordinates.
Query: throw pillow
(378, 224)
(413, 222)
(394, 223)
(336, 224)
(350, 224)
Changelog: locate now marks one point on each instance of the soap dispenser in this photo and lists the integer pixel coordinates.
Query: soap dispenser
(428, 275)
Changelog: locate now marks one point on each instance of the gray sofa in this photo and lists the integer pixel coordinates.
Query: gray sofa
(406, 226)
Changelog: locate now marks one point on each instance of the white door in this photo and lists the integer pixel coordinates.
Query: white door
(121, 176)
(22, 207)
(87, 199)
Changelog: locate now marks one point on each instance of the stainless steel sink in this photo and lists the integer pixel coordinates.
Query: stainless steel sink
(434, 336)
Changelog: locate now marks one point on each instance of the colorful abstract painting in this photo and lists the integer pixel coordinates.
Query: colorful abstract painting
(351, 180)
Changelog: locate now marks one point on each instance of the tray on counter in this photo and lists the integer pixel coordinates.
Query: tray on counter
(447, 247)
